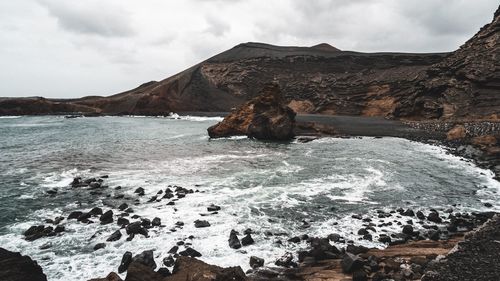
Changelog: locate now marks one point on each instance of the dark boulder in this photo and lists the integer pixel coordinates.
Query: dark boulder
(286, 260)
(146, 258)
(126, 260)
(107, 217)
(190, 252)
(74, 215)
(247, 240)
(15, 267)
(234, 241)
(201, 223)
(99, 246)
(156, 222)
(351, 263)
(169, 261)
(264, 117)
(115, 236)
(213, 208)
(434, 217)
(256, 262)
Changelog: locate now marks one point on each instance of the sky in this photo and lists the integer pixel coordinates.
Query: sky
(64, 48)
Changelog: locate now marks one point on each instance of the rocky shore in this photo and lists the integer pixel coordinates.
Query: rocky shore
(416, 249)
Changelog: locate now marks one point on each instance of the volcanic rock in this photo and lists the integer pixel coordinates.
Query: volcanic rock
(15, 267)
(264, 117)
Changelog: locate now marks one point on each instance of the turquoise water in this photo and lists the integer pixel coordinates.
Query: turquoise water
(260, 185)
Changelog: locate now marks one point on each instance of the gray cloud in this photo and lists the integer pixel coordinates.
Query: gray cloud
(76, 48)
(92, 18)
(216, 26)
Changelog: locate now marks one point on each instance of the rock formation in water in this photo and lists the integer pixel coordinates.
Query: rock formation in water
(319, 79)
(15, 267)
(264, 117)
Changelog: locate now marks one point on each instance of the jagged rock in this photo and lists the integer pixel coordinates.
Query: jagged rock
(195, 270)
(351, 263)
(256, 262)
(99, 246)
(264, 117)
(146, 258)
(169, 261)
(138, 271)
(126, 260)
(234, 241)
(156, 222)
(201, 223)
(107, 217)
(247, 240)
(190, 252)
(115, 236)
(15, 267)
(286, 260)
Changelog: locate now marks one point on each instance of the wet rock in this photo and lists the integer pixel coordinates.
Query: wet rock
(190, 252)
(173, 250)
(146, 223)
(351, 263)
(434, 217)
(201, 223)
(84, 217)
(409, 213)
(59, 229)
(115, 236)
(123, 207)
(334, 237)
(295, 239)
(362, 231)
(140, 272)
(74, 215)
(247, 240)
(356, 250)
(384, 239)
(408, 229)
(99, 246)
(146, 258)
(15, 267)
(420, 215)
(95, 211)
(322, 250)
(164, 272)
(94, 185)
(140, 191)
(152, 199)
(136, 228)
(156, 222)
(122, 221)
(234, 241)
(169, 261)
(107, 217)
(286, 260)
(213, 208)
(256, 262)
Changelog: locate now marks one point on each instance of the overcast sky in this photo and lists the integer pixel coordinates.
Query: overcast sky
(64, 48)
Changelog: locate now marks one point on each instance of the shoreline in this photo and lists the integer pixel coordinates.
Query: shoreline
(440, 142)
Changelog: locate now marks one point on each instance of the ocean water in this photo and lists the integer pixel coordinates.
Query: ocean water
(264, 186)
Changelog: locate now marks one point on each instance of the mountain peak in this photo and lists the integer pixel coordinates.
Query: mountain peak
(325, 47)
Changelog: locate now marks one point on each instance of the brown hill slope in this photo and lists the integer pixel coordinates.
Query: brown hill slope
(318, 79)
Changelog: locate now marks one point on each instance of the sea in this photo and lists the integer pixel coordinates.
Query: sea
(277, 189)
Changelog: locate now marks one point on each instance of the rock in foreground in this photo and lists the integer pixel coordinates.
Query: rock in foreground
(14, 267)
(265, 117)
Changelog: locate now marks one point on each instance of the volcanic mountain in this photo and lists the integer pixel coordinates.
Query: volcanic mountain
(319, 79)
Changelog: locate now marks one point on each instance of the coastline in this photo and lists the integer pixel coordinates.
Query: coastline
(289, 274)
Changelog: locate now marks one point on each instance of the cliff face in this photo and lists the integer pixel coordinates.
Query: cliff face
(321, 79)
(465, 84)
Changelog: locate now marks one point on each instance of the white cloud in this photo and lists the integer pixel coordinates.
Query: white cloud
(62, 48)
